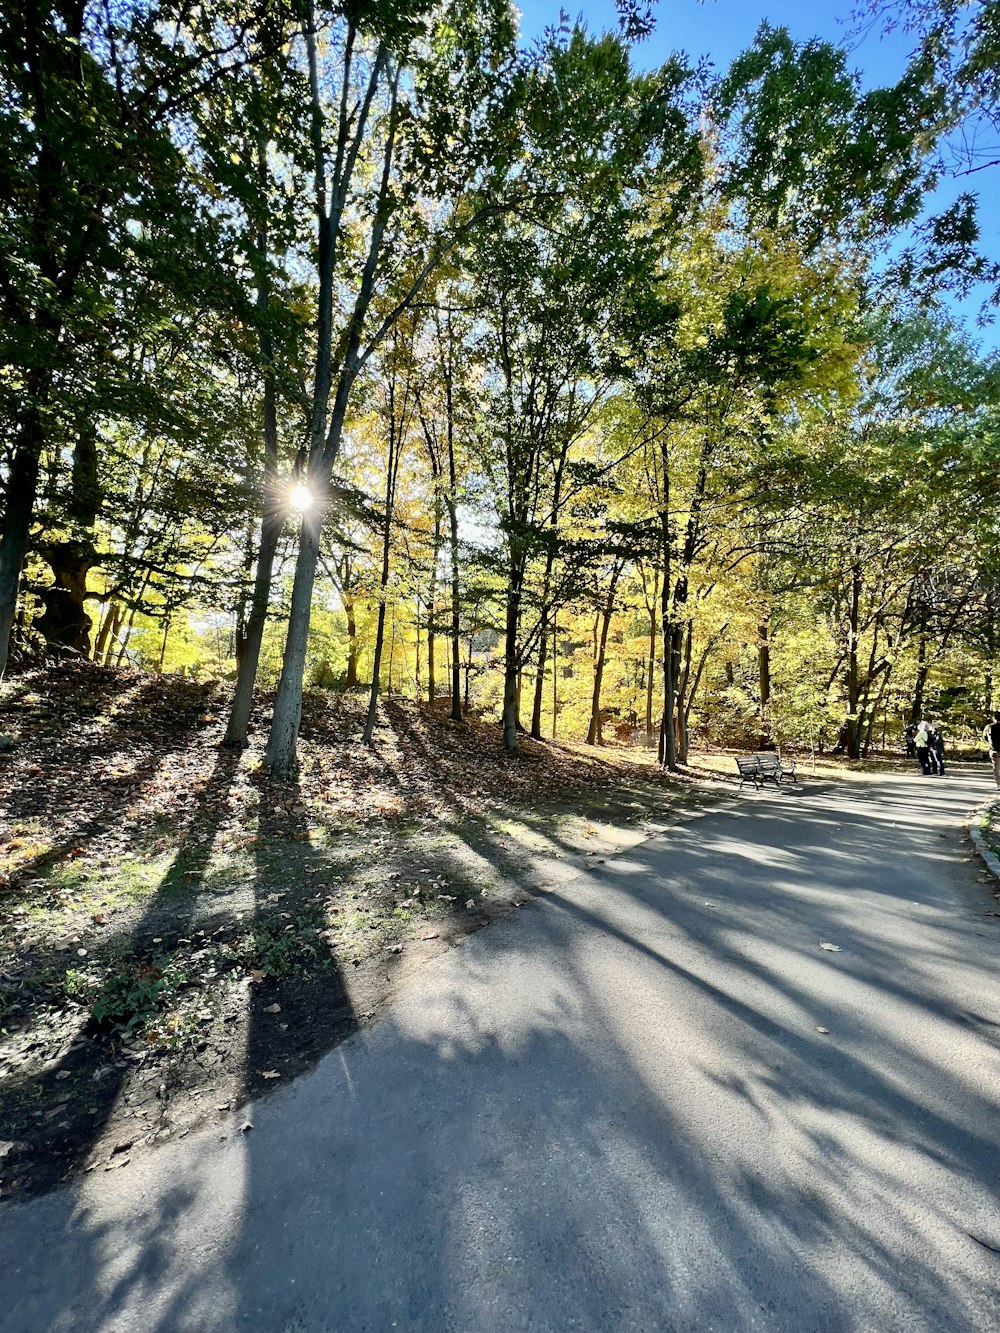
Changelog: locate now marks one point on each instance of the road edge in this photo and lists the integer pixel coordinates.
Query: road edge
(984, 851)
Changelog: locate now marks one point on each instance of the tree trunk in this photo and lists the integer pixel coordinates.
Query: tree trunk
(280, 755)
(683, 682)
(117, 616)
(536, 704)
(668, 739)
(237, 728)
(352, 640)
(594, 736)
(163, 645)
(651, 665)
(22, 486)
(920, 684)
(853, 729)
(107, 624)
(273, 507)
(555, 675)
(511, 669)
(392, 464)
(764, 678)
(65, 621)
(432, 606)
(372, 714)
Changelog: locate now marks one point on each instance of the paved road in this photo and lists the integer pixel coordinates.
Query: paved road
(612, 1110)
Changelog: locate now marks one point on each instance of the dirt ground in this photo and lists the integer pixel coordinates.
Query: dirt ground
(179, 932)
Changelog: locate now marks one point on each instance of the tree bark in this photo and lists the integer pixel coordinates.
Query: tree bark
(280, 754)
(764, 679)
(594, 736)
(237, 728)
(651, 661)
(511, 667)
(22, 487)
(853, 729)
(273, 507)
(352, 640)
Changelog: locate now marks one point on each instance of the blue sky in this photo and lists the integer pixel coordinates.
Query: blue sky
(720, 29)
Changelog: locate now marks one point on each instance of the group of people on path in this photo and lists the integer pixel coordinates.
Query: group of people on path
(926, 741)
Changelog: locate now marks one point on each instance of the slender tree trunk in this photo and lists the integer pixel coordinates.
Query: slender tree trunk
(163, 645)
(668, 738)
(764, 679)
(920, 684)
(125, 638)
(352, 640)
(511, 667)
(853, 671)
(555, 675)
(237, 728)
(117, 616)
(651, 662)
(594, 736)
(432, 606)
(273, 509)
(107, 621)
(683, 681)
(536, 704)
(392, 465)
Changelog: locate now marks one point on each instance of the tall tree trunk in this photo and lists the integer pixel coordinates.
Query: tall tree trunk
(432, 606)
(352, 640)
(555, 675)
(536, 703)
(651, 659)
(22, 486)
(511, 668)
(237, 728)
(281, 744)
(764, 678)
(853, 736)
(392, 466)
(683, 681)
(668, 737)
(273, 507)
(923, 669)
(326, 426)
(594, 736)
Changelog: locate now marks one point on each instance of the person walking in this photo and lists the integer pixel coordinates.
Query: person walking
(937, 750)
(922, 740)
(991, 734)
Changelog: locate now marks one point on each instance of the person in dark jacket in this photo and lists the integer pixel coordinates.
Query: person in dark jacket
(911, 744)
(991, 732)
(922, 740)
(937, 751)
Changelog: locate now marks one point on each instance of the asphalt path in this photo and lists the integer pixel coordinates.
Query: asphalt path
(613, 1110)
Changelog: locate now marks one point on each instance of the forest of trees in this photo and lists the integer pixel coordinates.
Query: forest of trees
(364, 346)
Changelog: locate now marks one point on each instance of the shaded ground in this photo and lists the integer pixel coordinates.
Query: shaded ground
(742, 1077)
(178, 932)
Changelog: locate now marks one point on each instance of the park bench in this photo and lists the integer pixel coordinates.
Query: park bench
(759, 768)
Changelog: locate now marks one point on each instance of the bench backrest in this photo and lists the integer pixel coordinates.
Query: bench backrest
(747, 765)
(768, 760)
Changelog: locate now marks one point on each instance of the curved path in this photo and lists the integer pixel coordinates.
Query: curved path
(613, 1110)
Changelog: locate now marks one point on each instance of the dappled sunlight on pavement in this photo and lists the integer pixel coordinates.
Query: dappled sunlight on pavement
(651, 1100)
